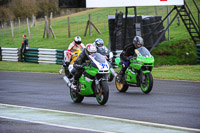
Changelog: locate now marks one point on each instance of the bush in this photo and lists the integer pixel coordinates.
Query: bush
(175, 53)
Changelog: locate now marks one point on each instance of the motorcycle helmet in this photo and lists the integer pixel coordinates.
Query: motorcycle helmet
(99, 42)
(138, 41)
(91, 49)
(77, 40)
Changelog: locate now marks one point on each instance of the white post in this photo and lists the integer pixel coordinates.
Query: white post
(12, 29)
(29, 32)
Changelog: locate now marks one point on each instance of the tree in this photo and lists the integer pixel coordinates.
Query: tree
(47, 6)
(6, 15)
(23, 8)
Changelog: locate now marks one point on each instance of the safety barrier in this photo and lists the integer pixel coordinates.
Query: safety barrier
(40, 55)
(9, 54)
(198, 54)
(33, 55)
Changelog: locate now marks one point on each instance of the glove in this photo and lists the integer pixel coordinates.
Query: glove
(77, 66)
(84, 64)
(130, 57)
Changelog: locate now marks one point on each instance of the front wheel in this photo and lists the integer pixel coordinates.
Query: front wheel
(110, 77)
(103, 93)
(76, 97)
(147, 83)
(120, 85)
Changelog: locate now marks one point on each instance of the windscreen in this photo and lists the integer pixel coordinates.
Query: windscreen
(144, 52)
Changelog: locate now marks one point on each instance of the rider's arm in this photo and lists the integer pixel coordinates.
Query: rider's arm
(71, 46)
(123, 56)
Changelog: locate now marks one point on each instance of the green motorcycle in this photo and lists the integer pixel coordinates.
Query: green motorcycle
(138, 74)
(93, 82)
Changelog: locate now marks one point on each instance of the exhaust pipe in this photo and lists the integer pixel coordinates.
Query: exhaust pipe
(113, 72)
(67, 81)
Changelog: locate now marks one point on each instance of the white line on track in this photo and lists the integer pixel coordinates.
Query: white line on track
(157, 125)
(56, 125)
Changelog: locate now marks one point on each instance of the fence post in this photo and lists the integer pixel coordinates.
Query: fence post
(90, 26)
(198, 53)
(29, 32)
(69, 32)
(156, 11)
(50, 28)
(12, 29)
(46, 28)
(33, 21)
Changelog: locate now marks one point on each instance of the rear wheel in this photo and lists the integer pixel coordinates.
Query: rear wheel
(147, 83)
(121, 86)
(103, 93)
(76, 97)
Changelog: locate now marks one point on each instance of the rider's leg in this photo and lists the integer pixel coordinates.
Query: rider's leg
(66, 61)
(125, 65)
(77, 76)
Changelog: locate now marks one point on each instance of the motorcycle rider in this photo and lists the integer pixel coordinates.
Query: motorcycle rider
(105, 52)
(76, 44)
(81, 62)
(128, 53)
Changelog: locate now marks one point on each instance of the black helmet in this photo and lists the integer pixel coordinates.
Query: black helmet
(138, 41)
(77, 40)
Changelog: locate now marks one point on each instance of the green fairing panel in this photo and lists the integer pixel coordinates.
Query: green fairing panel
(92, 71)
(117, 60)
(131, 77)
(86, 91)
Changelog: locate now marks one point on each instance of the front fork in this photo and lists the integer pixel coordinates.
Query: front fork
(97, 82)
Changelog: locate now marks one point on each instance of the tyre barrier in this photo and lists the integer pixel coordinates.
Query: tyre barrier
(198, 53)
(46, 56)
(33, 55)
(9, 54)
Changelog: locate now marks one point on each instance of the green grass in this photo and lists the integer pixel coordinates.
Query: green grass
(186, 72)
(29, 67)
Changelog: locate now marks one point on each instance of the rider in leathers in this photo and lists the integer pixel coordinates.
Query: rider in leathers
(81, 61)
(76, 44)
(128, 53)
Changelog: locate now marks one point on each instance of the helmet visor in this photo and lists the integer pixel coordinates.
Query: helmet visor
(78, 42)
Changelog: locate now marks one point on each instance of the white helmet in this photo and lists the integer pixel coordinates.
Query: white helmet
(77, 40)
(91, 48)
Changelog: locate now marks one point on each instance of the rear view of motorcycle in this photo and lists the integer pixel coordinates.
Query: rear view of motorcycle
(138, 74)
(93, 82)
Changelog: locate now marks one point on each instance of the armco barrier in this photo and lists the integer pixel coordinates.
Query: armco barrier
(198, 53)
(33, 55)
(9, 54)
(40, 55)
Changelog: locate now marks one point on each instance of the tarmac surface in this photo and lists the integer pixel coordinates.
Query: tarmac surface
(172, 106)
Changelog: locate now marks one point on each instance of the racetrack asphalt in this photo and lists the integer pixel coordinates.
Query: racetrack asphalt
(171, 103)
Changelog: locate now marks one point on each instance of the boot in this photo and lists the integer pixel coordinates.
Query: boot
(67, 73)
(61, 69)
(120, 76)
(74, 84)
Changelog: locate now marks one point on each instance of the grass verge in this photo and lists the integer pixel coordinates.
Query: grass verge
(183, 72)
